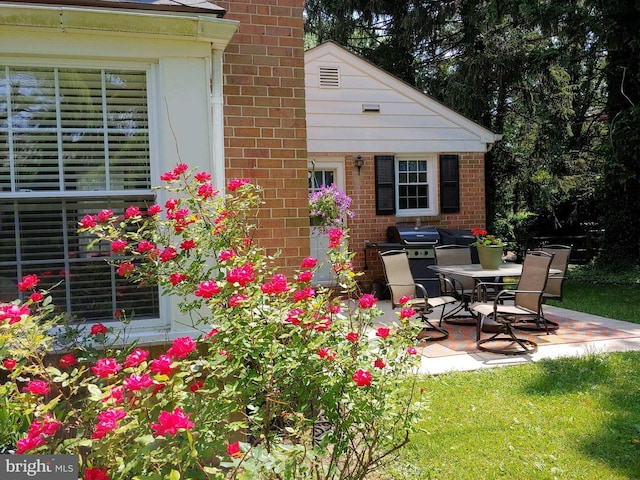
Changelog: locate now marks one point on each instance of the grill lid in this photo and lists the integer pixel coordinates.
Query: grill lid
(410, 235)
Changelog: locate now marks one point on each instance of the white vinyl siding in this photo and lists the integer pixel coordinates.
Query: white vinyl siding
(73, 141)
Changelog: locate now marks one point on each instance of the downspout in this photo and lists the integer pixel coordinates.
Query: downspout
(217, 120)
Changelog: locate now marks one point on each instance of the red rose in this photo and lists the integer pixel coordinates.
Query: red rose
(382, 332)
(97, 329)
(362, 378)
(68, 360)
(233, 449)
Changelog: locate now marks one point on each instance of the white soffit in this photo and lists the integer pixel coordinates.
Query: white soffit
(178, 25)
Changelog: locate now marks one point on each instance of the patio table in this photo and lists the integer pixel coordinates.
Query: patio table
(478, 273)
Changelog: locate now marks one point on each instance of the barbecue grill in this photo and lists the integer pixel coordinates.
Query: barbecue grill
(420, 243)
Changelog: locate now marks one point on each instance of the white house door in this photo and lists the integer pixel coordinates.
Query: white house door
(323, 172)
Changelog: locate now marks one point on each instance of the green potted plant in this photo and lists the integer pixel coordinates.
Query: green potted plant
(489, 249)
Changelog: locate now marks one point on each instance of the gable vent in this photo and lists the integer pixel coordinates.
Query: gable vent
(330, 77)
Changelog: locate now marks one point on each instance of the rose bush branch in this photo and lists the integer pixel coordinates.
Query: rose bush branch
(270, 358)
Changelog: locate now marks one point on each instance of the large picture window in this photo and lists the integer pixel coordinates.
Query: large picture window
(72, 141)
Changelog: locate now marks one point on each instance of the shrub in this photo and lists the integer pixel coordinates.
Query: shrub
(279, 379)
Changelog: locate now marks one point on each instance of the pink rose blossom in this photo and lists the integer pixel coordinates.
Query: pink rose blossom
(171, 204)
(237, 300)
(107, 421)
(182, 346)
(404, 299)
(305, 277)
(327, 353)
(382, 332)
(206, 191)
(242, 275)
(189, 244)
(167, 254)
(379, 363)
(136, 357)
(98, 329)
(168, 177)
(335, 237)
(136, 383)
(195, 386)
(233, 449)
(367, 301)
(176, 278)
(67, 360)
(29, 443)
(9, 363)
(154, 209)
(225, 255)
(104, 215)
(411, 351)
(303, 294)
(132, 212)
(106, 367)
(13, 313)
(181, 168)
(37, 387)
(352, 337)
(362, 378)
(212, 333)
(47, 426)
(207, 289)
(28, 282)
(278, 284)
(145, 246)
(124, 269)
(95, 473)
(294, 316)
(88, 221)
(161, 365)
(118, 246)
(202, 177)
(407, 313)
(309, 262)
(170, 423)
(236, 183)
(35, 297)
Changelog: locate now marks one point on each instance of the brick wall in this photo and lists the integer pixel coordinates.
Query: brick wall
(265, 126)
(366, 226)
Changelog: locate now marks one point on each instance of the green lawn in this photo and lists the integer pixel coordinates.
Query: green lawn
(576, 418)
(621, 302)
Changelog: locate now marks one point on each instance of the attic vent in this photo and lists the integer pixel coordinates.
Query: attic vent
(330, 77)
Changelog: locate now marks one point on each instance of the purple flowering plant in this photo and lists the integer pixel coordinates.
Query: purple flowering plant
(329, 208)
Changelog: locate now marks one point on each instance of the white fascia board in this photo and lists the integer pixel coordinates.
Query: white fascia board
(331, 48)
(198, 27)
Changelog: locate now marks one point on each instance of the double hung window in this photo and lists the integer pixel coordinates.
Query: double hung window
(73, 140)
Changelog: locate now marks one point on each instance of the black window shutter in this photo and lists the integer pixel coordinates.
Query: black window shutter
(385, 184)
(449, 183)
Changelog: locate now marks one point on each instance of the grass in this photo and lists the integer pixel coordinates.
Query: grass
(573, 418)
(621, 302)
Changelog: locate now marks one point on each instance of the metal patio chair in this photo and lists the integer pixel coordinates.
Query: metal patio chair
(401, 283)
(458, 286)
(497, 317)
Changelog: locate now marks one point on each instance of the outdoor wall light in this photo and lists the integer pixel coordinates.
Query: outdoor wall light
(358, 161)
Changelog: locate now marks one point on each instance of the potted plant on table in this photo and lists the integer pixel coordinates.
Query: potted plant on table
(489, 249)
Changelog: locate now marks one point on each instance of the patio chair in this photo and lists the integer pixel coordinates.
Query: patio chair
(561, 254)
(462, 286)
(498, 318)
(553, 290)
(401, 283)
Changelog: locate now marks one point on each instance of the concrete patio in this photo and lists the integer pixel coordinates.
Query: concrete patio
(578, 334)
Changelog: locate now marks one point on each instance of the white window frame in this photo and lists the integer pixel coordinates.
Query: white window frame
(432, 182)
(139, 327)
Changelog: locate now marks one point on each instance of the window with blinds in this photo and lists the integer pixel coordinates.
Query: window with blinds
(73, 141)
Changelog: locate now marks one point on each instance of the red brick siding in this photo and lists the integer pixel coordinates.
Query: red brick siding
(366, 226)
(265, 125)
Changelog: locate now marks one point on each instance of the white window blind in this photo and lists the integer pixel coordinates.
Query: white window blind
(73, 141)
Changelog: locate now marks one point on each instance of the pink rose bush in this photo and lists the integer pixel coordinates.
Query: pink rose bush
(270, 354)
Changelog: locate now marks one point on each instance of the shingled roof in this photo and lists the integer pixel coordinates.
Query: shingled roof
(191, 6)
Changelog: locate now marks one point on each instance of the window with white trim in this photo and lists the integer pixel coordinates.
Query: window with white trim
(73, 141)
(416, 189)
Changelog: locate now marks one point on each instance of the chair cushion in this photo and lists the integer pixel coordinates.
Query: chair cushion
(487, 309)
